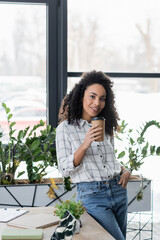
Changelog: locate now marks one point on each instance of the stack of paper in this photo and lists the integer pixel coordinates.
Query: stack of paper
(7, 214)
(39, 220)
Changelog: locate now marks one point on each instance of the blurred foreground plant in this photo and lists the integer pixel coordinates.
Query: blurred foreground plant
(75, 208)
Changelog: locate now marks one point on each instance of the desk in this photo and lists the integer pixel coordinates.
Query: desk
(90, 230)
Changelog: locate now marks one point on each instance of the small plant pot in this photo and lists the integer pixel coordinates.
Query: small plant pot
(78, 225)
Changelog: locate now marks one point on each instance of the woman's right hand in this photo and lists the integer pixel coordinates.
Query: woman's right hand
(93, 134)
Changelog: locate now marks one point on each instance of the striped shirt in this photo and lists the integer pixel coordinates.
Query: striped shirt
(98, 164)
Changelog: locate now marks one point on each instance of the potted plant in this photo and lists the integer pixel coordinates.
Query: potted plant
(76, 208)
(69, 212)
(37, 151)
(134, 148)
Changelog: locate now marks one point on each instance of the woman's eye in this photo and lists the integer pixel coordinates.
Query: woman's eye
(103, 99)
(92, 96)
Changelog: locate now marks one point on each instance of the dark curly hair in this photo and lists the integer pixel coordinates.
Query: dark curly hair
(72, 107)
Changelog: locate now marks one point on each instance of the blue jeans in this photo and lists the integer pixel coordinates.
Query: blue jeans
(106, 202)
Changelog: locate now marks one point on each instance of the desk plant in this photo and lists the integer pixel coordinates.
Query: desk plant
(136, 147)
(75, 208)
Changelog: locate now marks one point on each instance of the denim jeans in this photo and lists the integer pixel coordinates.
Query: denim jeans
(106, 202)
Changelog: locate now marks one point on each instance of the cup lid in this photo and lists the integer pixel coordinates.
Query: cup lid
(97, 118)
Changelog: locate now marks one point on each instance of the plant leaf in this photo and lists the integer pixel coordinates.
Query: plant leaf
(152, 149)
(131, 141)
(35, 145)
(121, 155)
(7, 110)
(20, 135)
(158, 151)
(12, 124)
(20, 174)
(10, 116)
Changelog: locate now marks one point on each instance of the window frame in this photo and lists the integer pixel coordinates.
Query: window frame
(121, 74)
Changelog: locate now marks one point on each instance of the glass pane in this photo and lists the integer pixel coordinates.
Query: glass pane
(113, 35)
(23, 63)
(137, 99)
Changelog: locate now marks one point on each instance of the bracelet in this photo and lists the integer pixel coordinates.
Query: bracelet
(125, 170)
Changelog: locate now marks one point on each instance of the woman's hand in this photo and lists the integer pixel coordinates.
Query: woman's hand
(124, 179)
(93, 134)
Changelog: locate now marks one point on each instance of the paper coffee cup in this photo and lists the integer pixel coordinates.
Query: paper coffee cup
(100, 121)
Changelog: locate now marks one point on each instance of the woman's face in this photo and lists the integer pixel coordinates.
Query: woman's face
(93, 101)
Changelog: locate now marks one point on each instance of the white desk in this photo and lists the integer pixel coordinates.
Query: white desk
(90, 230)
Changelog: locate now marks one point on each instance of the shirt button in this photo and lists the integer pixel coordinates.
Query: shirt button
(98, 145)
(104, 166)
(100, 155)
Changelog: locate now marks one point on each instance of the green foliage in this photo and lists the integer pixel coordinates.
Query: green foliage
(8, 162)
(136, 147)
(76, 208)
(37, 151)
(67, 183)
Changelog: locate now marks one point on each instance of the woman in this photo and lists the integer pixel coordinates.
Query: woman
(101, 180)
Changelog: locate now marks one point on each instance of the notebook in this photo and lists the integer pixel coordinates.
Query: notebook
(40, 220)
(7, 214)
(26, 234)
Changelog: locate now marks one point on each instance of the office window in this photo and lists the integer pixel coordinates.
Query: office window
(23, 63)
(33, 59)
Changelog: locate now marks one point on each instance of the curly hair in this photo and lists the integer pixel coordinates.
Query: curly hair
(72, 106)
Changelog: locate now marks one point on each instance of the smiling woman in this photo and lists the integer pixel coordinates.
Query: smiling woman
(101, 180)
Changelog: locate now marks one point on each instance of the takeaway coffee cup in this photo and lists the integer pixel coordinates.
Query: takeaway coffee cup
(100, 121)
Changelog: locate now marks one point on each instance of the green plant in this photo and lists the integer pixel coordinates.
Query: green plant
(37, 151)
(76, 208)
(8, 161)
(136, 147)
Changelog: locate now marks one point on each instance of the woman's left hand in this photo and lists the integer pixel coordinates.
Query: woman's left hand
(124, 179)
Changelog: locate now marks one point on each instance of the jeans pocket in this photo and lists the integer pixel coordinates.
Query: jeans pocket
(122, 187)
(85, 192)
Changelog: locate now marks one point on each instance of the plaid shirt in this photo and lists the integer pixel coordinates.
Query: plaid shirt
(99, 161)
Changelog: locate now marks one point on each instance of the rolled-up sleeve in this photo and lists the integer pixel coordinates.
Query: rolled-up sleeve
(65, 156)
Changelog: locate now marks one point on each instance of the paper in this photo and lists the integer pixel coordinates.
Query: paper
(7, 214)
(39, 220)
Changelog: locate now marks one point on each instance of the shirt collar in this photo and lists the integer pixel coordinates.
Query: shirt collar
(82, 122)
